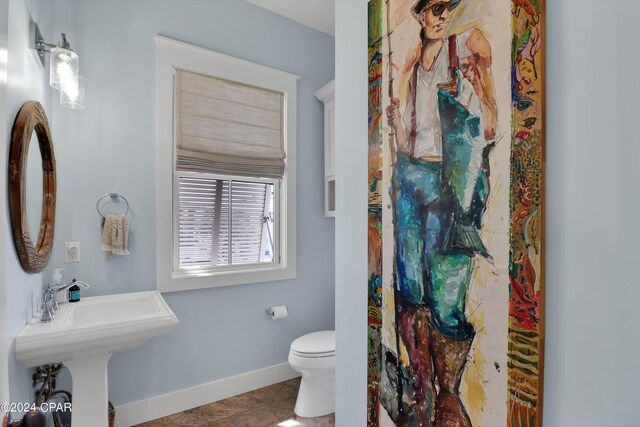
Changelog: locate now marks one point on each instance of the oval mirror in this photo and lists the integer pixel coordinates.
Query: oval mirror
(27, 164)
(34, 186)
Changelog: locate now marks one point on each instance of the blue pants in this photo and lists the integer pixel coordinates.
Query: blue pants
(428, 275)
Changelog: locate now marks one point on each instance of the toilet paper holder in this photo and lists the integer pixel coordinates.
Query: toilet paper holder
(278, 312)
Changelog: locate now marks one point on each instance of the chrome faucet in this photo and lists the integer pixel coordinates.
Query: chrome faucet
(48, 312)
(50, 305)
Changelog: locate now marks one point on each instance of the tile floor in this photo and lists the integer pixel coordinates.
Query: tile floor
(266, 407)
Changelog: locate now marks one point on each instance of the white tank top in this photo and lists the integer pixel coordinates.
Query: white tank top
(428, 129)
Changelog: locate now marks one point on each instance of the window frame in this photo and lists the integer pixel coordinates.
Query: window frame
(170, 55)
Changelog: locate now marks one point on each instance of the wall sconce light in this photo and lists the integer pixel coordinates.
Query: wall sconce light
(63, 68)
(73, 97)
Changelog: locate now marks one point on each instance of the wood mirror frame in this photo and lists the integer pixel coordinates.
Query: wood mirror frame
(30, 118)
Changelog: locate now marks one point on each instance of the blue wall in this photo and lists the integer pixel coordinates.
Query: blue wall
(591, 374)
(351, 205)
(4, 336)
(27, 80)
(110, 147)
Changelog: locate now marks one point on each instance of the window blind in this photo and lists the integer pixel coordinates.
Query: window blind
(247, 224)
(209, 223)
(225, 127)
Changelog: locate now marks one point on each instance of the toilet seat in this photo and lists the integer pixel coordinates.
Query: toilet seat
(315, 345)
(314, 355)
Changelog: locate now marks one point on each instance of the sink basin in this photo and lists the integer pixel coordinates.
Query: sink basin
(105, 324)
(83, 336)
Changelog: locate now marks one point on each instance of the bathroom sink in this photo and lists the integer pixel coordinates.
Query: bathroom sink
(83, 336)
(104, 324)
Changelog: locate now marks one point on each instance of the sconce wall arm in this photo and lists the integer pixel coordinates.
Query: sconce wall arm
(38, 43)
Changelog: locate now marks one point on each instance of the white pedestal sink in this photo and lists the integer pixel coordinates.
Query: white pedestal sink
(83, 336)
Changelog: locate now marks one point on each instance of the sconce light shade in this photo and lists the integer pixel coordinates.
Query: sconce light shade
(72, 96)
(63, 70)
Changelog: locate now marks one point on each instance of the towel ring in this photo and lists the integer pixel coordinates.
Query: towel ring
(113, 196)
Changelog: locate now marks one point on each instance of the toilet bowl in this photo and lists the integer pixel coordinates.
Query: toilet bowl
(314, 356)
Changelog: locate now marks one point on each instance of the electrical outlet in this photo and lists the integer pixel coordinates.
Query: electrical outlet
(72, 252)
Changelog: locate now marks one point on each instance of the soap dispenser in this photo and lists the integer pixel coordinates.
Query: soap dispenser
(56, 277)
(57, 283)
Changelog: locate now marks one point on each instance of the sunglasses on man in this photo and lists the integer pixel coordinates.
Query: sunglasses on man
(438, 8)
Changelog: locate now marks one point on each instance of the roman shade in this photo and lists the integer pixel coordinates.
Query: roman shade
(229, 128)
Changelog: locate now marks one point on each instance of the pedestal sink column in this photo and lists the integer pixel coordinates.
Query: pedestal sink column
(90, 401)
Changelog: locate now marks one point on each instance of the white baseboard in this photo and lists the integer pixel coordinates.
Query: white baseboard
(142, 411)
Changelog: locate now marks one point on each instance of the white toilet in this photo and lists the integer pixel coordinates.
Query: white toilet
(314, 356)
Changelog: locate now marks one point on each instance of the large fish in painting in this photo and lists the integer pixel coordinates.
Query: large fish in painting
(465, 167)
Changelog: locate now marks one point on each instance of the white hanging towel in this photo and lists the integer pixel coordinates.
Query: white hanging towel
(115, 235)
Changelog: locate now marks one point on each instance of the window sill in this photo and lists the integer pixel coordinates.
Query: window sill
(182, 281)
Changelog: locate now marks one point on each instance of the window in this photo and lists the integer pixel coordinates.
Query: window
(225, 222)
(225, 169)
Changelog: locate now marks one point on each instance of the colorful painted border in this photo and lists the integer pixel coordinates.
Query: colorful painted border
(527, 216)
(375, 211)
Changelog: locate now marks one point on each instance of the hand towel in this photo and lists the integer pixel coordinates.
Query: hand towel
(115, 235)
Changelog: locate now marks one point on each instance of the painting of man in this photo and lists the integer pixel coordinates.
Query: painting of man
(445, 169)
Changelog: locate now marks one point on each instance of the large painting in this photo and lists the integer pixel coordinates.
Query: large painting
(456, 213)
